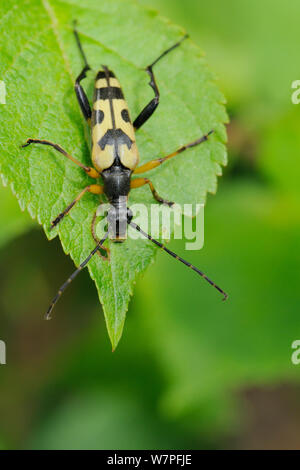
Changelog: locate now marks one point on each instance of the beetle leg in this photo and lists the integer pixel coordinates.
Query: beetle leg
(149, 109)
(102, 249)
(138, 182)
(93, 188)
(89, 170)
(154, 163)
(80, 93)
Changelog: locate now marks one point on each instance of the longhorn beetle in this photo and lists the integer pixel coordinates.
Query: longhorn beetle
(115, 157)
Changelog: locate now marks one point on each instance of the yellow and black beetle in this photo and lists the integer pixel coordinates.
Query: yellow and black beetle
(115, 156)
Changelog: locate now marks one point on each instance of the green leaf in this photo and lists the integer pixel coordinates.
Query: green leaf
(39, 62)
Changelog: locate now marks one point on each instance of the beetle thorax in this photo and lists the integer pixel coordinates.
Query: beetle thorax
(116, 181)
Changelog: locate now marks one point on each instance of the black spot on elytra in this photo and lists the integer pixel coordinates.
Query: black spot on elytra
(125, 115)
(99, 116)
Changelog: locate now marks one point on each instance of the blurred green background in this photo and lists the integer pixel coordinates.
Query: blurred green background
(190, 372)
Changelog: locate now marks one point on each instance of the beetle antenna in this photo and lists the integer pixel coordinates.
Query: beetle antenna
(70, 279)
(163, 247)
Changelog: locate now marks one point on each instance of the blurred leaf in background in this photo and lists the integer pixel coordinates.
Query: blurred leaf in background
(256, 212)
(205, 353)
(252, 46)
